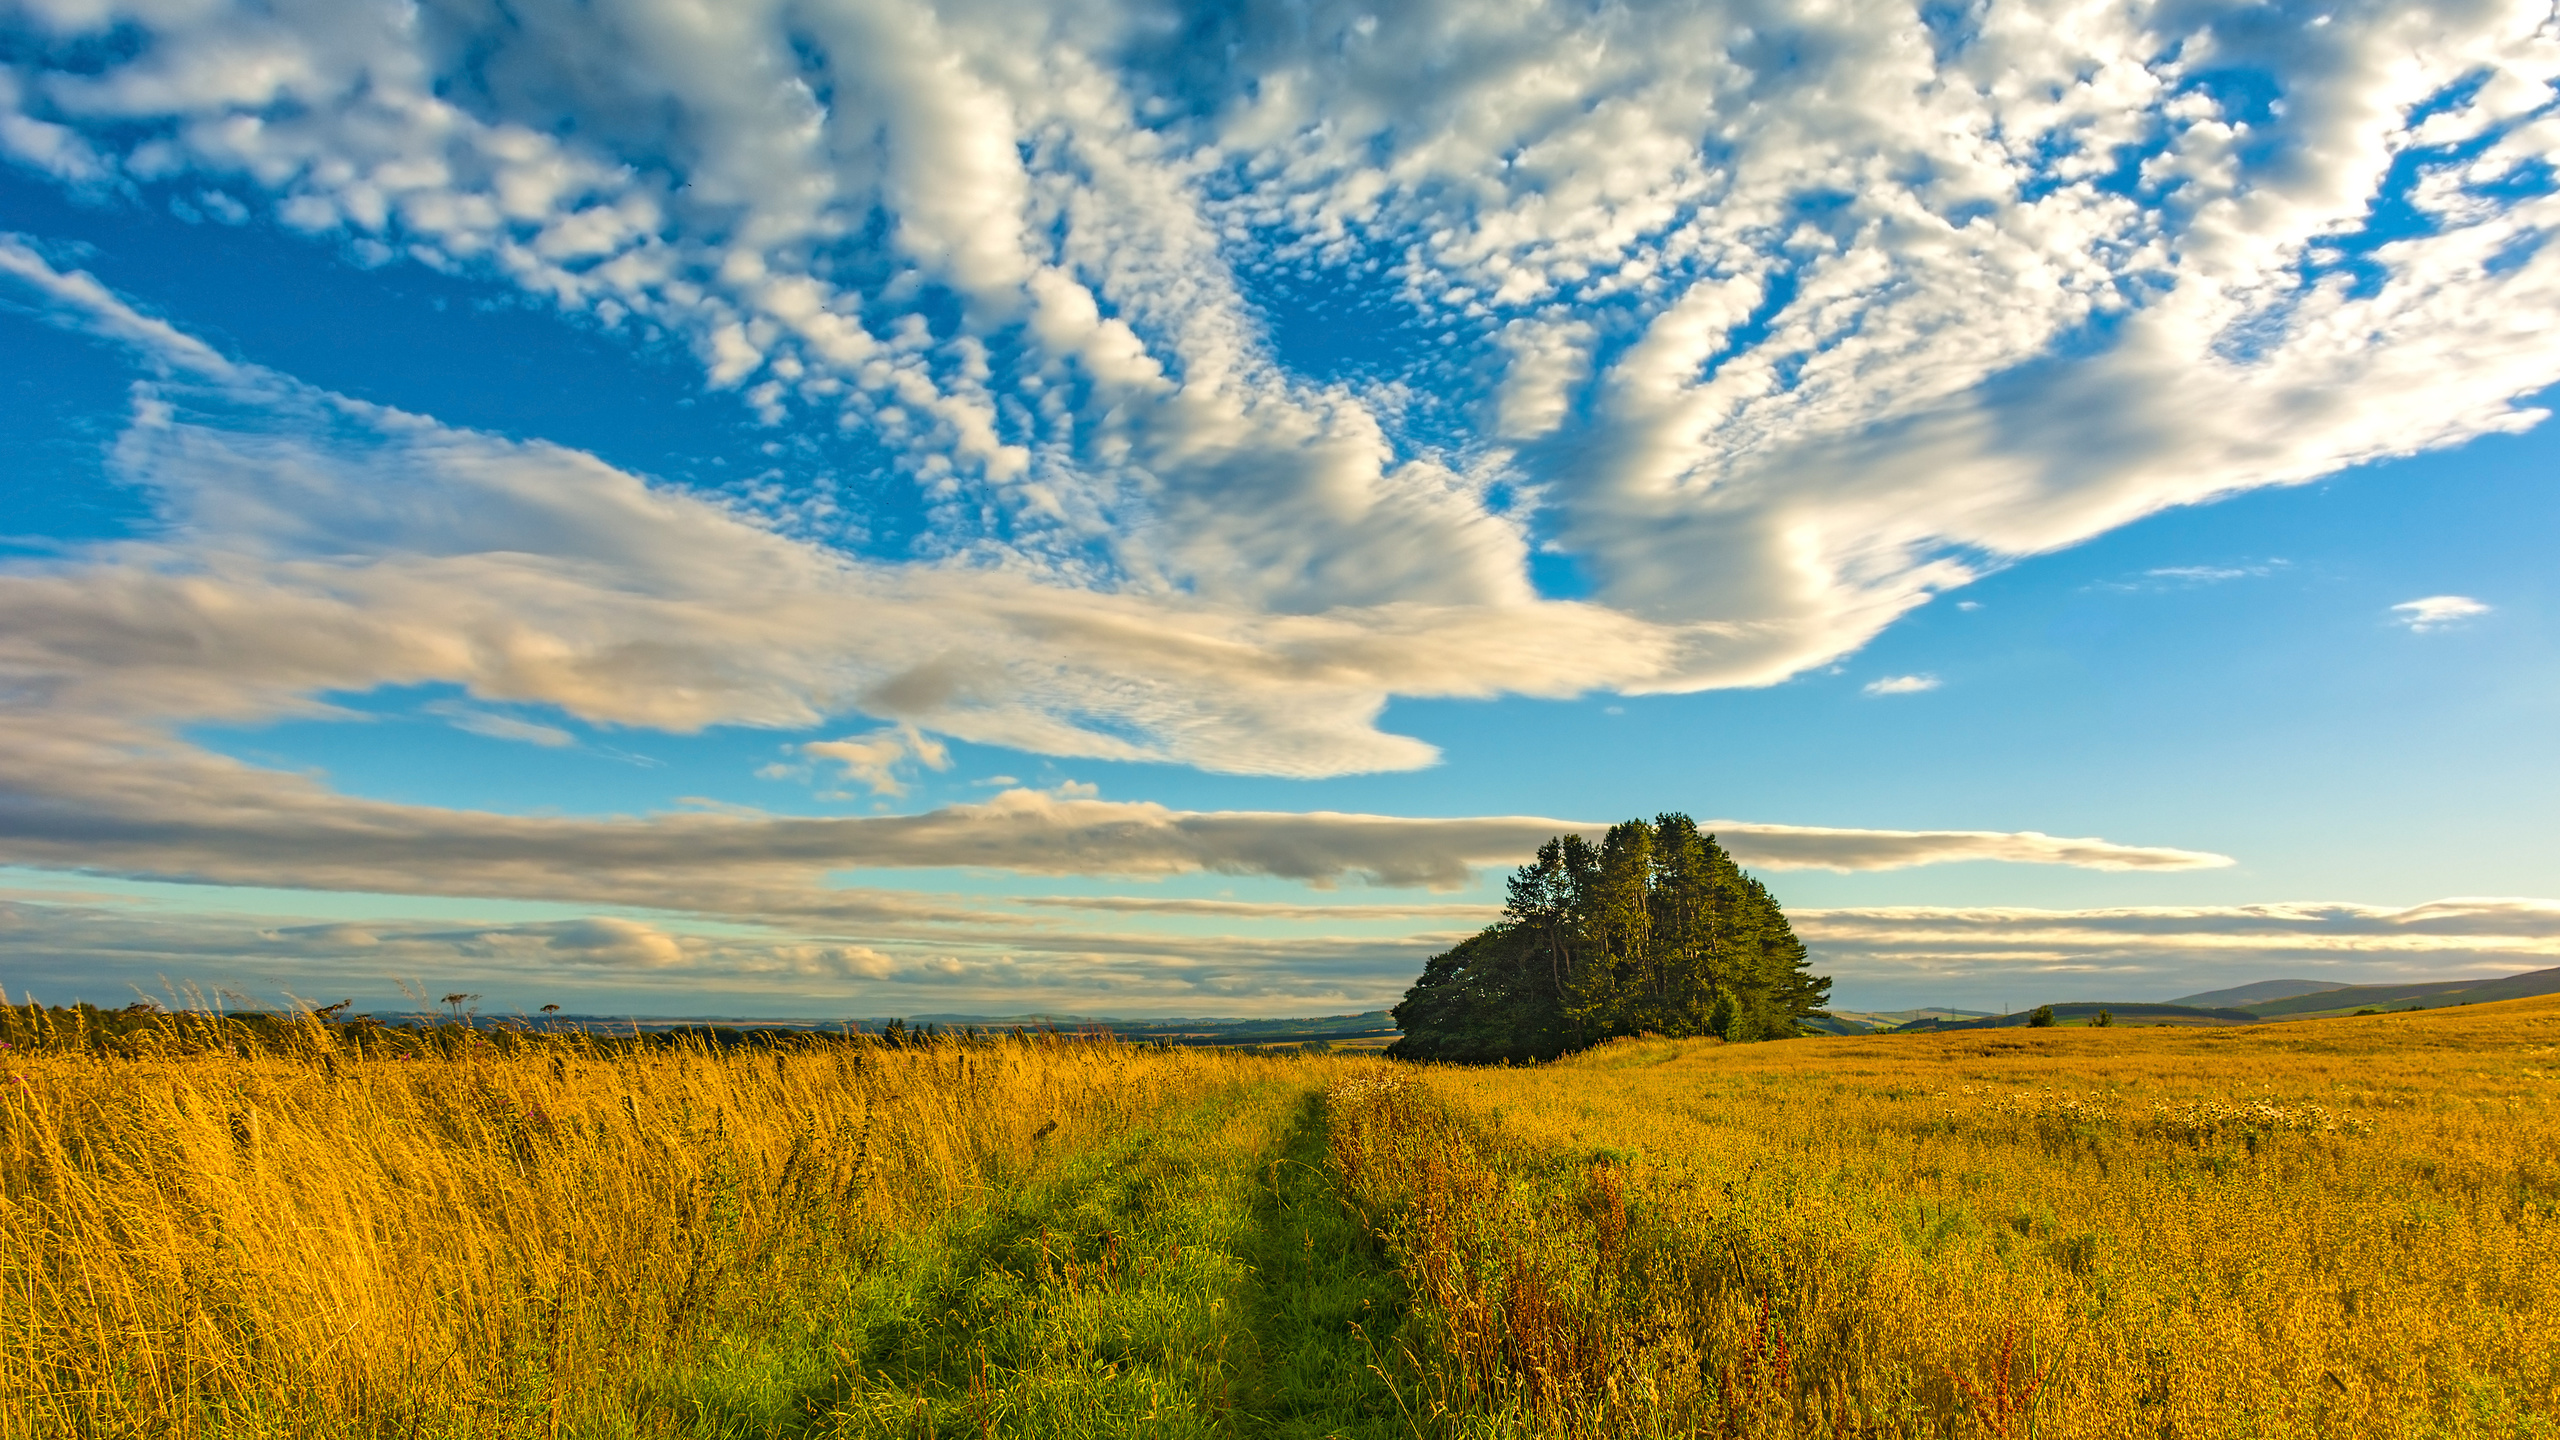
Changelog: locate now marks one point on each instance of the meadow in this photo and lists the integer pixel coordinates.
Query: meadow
(2332, 1227)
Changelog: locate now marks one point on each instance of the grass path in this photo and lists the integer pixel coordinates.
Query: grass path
(1196, 1278)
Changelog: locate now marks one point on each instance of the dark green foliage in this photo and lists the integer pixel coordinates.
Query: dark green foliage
(1655, 930)
(1494, 997)
(2042, 1017)
(2102, 1020)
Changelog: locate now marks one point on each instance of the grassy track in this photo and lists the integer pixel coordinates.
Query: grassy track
(1196, 1278)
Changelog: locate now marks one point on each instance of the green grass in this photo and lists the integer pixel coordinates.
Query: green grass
(1200, 1277)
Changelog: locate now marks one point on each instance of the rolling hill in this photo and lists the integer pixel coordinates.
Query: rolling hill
(2429, 995)
(2258, 992)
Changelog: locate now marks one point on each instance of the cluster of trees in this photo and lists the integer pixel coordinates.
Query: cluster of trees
(1653, 930)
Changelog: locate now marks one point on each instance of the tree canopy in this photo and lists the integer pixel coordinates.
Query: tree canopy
(1654, 930)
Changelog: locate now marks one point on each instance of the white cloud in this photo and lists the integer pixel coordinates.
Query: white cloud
(1780, 319)
(875, 759)
(2435, 612)
(1805, 847)
(125, 802)
(1902, 685)
(319, 545)
(2153, 952)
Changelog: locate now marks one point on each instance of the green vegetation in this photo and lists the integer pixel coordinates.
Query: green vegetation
(1192, 1278)
(1655, 931)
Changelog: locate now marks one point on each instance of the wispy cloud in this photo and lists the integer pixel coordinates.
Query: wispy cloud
(1902, 685)
(2207, 574)
(2436, 612)
(500, 727)
(2192, 577)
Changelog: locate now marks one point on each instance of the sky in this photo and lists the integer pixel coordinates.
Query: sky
(850, 508)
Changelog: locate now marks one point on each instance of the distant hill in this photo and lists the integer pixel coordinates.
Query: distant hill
(1861, 1022)
(2261, 1000)
(2125, 1013)
(2257, 993)
(2427, 995)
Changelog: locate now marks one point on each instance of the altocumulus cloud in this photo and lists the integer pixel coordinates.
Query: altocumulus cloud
(1928, 293)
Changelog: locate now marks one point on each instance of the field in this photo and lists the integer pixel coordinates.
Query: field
(2328, 1228)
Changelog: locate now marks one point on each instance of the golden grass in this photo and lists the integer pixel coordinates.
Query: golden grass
(2327, 1228)
(527, 1239)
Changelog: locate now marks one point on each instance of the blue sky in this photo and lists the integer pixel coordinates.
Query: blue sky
(859, 508)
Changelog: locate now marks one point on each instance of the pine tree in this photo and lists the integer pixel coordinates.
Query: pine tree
(1654, 930)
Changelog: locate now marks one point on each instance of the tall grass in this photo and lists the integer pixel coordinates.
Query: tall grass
(523, 1238)
(2329, 1228)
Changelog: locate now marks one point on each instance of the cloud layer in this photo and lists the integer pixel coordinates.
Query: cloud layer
(1910, 954)
(313, 544)
(1774, 320)
(1882, 958)
(1778, 319)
